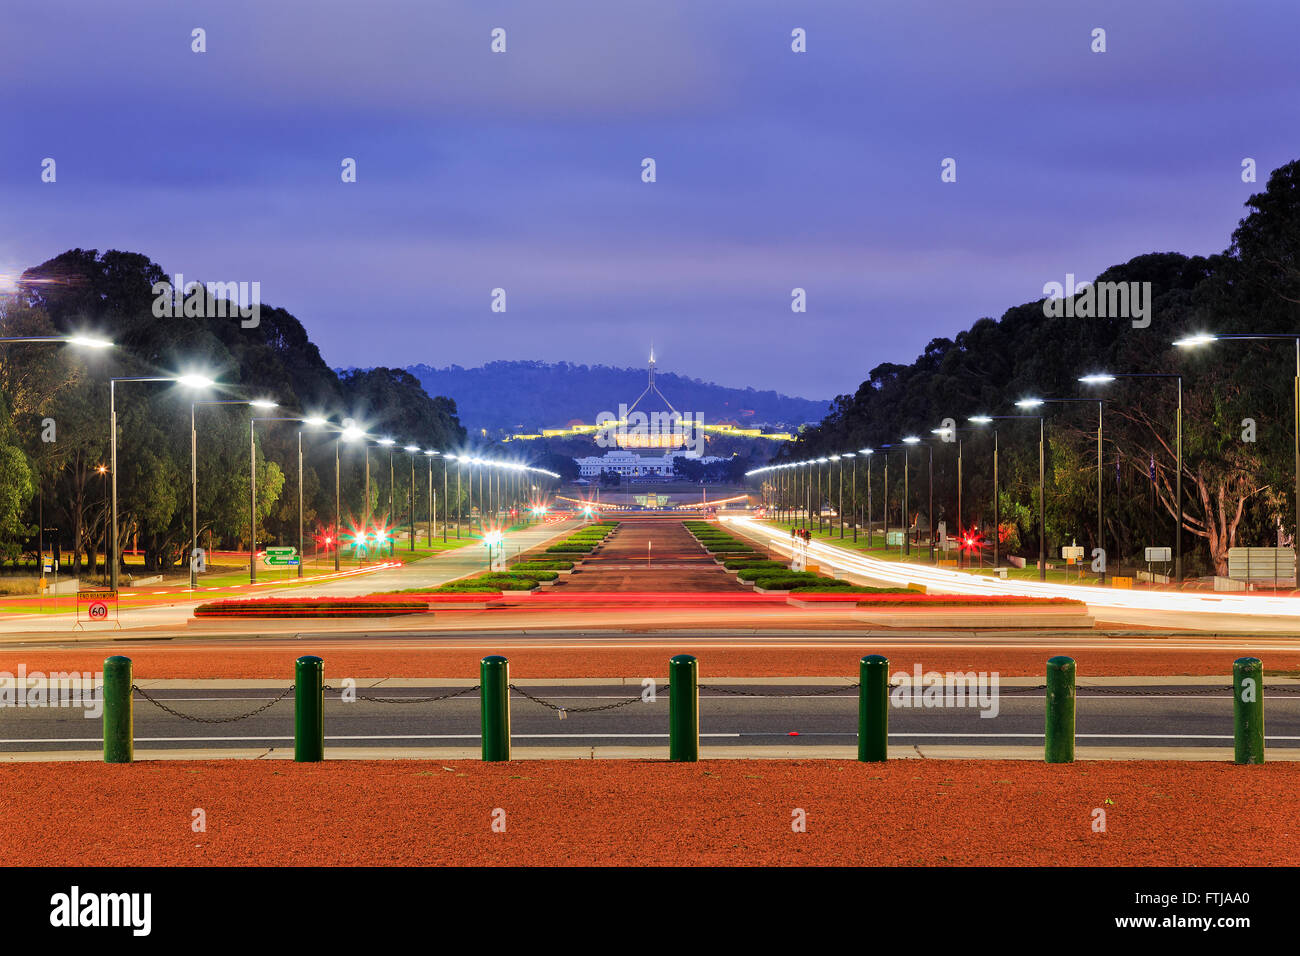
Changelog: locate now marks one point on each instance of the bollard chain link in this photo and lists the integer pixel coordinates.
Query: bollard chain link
(211, 720)
(561, 709)
(417, 700)
(814, 693)
(1178, 691)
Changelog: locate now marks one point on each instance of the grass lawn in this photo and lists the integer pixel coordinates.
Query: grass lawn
(921, 555)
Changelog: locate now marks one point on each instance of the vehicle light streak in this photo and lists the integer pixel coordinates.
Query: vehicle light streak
(942, 580)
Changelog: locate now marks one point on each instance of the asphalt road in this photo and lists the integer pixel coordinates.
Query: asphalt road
(790, 715)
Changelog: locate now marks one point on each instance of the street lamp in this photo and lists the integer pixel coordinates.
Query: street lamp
(943, 433)
(839, 506)
(867, 453)
(1105, 378)
(252, 485)
(929, 508)
(411, 450)
(853, 493)
(1098, 379)
(81, 341)
(997, 527)
(194, 475)
(1205, 338)
(192, 381)
(1042, 520)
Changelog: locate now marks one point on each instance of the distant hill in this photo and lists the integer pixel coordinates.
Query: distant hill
(510, 396)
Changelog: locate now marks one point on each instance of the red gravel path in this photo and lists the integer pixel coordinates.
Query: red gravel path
(640, 812)
(244, 662)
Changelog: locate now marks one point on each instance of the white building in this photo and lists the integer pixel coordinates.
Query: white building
(631, 465)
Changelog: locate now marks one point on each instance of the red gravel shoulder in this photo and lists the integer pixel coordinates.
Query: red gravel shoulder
(906, 812)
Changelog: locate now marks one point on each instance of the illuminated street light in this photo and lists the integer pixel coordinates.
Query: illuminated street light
(1103, 378)
(1192, 341)
(1204, 338)
(189, 381)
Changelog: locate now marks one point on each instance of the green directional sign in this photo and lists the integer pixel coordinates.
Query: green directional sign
(280, 557)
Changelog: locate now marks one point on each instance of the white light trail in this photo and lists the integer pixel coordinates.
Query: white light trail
(943, 580)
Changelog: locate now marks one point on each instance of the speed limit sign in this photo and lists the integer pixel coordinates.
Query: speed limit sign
(98, 611)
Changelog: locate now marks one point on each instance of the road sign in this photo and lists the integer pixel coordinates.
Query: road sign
(96, 601)
(280, 557)
(1159, 554)
(1072, 552)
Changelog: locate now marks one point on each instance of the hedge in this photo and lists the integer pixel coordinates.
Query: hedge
(310, 607)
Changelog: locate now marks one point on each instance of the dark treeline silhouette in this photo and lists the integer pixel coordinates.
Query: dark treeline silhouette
(111, 295)
(1238, 453)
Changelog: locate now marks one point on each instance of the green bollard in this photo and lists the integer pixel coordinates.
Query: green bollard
(494, 708)
(119, 736)
(1247, 710)
(308, 710)
(1059, 745)
(684, 708)
(873, 708)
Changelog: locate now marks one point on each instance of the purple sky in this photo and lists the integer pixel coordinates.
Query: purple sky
(522, 170)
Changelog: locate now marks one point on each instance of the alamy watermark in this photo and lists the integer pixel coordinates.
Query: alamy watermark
(215, 300)
(56, 689)
(631, 429)
(951, 689)
(1098, 300)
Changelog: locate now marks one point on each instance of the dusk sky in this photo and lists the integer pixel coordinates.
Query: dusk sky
(522, 170)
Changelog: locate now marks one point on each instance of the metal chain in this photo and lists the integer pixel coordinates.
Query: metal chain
(1145, 690)
(419, 700)
(813, 693)
(211, 720)
(561, 709)
(1149, 691)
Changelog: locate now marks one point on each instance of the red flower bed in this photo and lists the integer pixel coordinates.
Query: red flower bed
(312, 607)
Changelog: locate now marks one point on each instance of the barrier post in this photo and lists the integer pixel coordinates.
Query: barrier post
(1247, 710)
(308, 710)
(684, 708)
(873, 708)
(119, 734)
(1059, 724)
(494, 710)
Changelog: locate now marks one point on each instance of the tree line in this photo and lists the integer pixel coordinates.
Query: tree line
(1238, 405)
(54, 418)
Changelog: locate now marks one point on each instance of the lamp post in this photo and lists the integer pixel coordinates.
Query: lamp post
(1091, 380)
(1206, 338)
(853, 493)
(997, 526)
(411, 450)
(867, 453)
(1042, 520)
(83, 341)
(189, 381)
(194, 475)
(929, 508)
(349, 434)
(956, 436)
(1104, 378)
(821, 500)
(252, 484)
(314, 421)
(433, 507)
